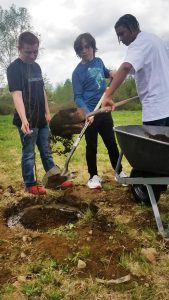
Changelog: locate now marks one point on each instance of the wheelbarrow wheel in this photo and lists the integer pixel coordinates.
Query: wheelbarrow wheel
(140, 192)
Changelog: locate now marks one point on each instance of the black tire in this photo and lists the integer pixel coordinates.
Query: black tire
(140, 192)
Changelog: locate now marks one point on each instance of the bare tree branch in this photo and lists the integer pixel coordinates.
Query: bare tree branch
(12, 23)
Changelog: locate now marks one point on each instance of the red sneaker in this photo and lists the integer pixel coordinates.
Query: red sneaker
(36, 190)
(66, 184)
(41, 190)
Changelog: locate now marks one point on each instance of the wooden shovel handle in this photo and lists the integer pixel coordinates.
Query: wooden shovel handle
(105, 109)
(122, 102)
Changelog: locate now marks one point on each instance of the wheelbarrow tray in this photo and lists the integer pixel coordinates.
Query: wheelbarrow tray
(145, 147)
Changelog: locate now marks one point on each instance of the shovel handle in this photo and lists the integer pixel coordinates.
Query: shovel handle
(102, 97)
(96, 112)
(122, 102)
(105, 109)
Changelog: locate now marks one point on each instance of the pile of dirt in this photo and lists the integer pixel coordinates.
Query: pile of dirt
(67, 122)
(64, 124)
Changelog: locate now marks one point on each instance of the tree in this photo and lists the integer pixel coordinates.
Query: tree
(67, 88)
(128, 90)
(48, 87)
(63, 92)
(12, 23)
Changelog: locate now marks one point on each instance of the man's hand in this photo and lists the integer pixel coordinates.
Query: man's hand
(108, 103)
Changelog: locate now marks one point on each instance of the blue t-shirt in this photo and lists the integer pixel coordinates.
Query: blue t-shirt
(89, 83)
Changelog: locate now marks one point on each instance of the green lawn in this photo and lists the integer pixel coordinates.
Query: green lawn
(10, 151)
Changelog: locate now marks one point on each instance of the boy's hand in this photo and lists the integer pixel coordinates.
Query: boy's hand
(25, 127)
(90, 119)
(48, 117)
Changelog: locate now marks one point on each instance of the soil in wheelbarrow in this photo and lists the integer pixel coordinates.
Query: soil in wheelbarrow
(159, 137)
(95, 228)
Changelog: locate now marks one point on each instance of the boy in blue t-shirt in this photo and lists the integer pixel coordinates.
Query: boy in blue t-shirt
(89, 84)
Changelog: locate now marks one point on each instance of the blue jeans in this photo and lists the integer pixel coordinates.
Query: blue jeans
(38, 137)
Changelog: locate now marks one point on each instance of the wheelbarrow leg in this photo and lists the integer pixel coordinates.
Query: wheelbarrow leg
(164, 233)
(156, 211)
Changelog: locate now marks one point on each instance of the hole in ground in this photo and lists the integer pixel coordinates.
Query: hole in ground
(38, 214)
(43, 217)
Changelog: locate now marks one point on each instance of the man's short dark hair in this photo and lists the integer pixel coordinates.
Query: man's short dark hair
(27, 37)
(89, 39)
(128, 21)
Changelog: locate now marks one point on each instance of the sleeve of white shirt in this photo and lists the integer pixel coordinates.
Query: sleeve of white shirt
(135, 57)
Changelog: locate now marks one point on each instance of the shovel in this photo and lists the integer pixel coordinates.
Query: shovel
(96, 111)
(59, 178)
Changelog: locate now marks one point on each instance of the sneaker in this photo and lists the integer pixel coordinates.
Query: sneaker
(94, 182)
(36, 190)
(122, 175)
(66, 184)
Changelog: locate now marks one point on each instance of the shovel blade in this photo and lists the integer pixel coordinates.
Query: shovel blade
(55, 180)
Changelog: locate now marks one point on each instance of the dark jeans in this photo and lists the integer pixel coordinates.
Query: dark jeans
(160, 122)
(103, 124)
(39, 137)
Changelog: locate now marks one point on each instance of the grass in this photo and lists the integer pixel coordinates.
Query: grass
(149, 234)
(48, 279)
(143, 293)
(10, 151)
(135, 262)
(66, 231)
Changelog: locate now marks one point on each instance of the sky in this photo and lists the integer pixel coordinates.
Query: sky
(59, 22)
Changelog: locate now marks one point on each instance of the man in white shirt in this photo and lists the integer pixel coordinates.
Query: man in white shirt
(147, 59)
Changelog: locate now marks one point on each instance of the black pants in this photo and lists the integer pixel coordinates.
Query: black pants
(160, 122)
(103, 124)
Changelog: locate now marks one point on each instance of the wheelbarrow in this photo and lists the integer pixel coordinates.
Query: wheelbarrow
(147, 150)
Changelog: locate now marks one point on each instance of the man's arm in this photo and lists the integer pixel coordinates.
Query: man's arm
(111, 74)
(118, 78)
(20, 108)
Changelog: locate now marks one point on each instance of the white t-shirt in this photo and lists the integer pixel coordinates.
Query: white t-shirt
(149, 57)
